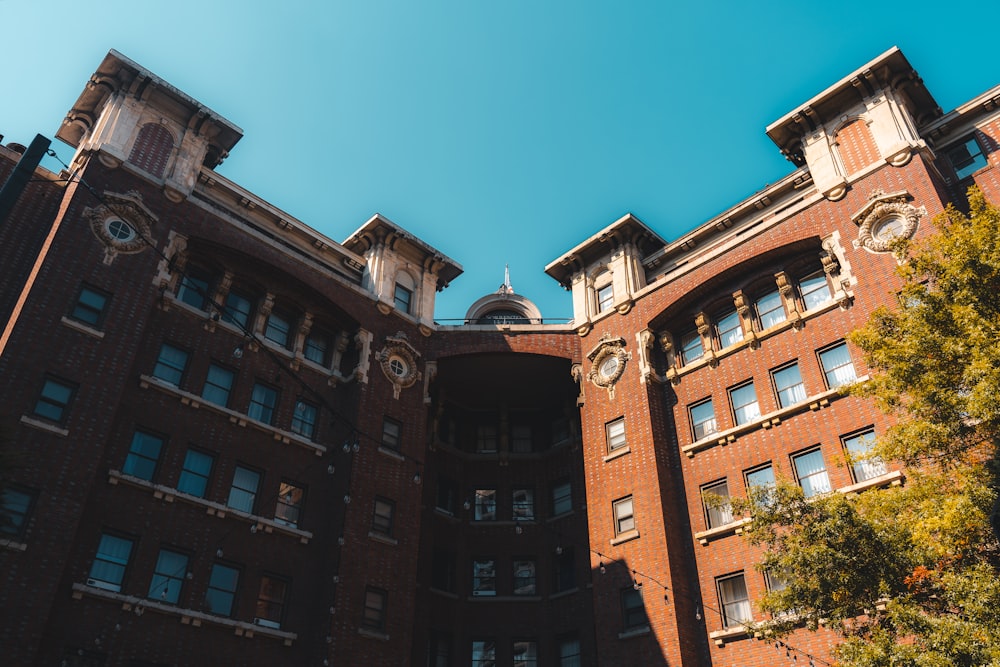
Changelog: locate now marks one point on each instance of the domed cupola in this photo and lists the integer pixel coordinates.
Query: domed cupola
(503, 307)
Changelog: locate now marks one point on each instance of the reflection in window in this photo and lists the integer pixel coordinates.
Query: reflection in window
(815, 290)
(788, 384)
(770, 310)
(811, 473)
(863, 465)
(729, 329)
(837, 366)
(744, 400)
(735, 601)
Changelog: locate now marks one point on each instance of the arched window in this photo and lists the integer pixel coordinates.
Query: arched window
(151, 149)
(403, 293)
(604, 291)
(856, 146)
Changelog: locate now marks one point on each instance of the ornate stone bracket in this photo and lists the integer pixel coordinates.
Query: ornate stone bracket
(645, 340)
(703, 323)
(363, 342)
(667, 345)
(886, 218)
(430, 372)
(608, 360)
(127, 208)
(746, 319)
(398, 360)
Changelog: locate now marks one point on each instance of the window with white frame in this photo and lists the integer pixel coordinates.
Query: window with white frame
(838, 369)
(569, 652)
(788, 385)
(243, 492)
(770, 310)
(288, 511)
(195, 473)
(734, 601)
(745, 406)
(90, 306)
(523, 504)
(810, 470)
(270, 601)
(278, 328)
(375, 609)
(702, 416)
(143, 455)
(53, 401)
(263, 400)
(304, 419)
(484, 653)
(391, 430)
(605, 291)
(729, 329)
(218, 385)
(168, 576)
(966, 157)
(624, 512)
(615, 434)
(484, 577)
(486, 505)
(403, 296)
(864, 466)
(692, 348)
(525, 653)
(562, 498)
(382, 516)
(715, 497)
(15, 507)
(815, 290)
(524, 576)
(110, 562)
(317, 347)
(222, 586)
(170, 364)
(760, 482)
(633, 609)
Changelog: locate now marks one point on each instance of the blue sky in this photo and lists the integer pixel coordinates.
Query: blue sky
(499, 132)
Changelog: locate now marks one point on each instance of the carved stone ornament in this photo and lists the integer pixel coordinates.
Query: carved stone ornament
(608, 361)
(122, 224)
(398, 360)
(885, 218)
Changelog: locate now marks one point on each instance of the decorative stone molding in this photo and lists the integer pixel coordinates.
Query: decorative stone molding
(363, 343)
(645, 340)
(122, 224)
(608, 361)
(885, 218)
(576, 371)
(746, 319)
(704, 325)
(398, 360)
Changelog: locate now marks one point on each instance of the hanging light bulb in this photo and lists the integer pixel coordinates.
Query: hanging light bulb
(518, 529)
(330, 469)
(559, 550)
(218, 552)
(347, 447)
(347, 499)
(341, 540)
(416, 477)
(238, 351)
(697, 614)
(603, 569)
(253, 528)
(336, 578)
(466, 504)
(356, 446)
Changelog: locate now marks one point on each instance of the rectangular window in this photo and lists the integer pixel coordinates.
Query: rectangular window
(443, 570)
(562, 498)
(615, 434)
(715, 497)
(270, 602)
(304, 419)
(486, 505)
(702, 417)
(520, 439)
(90, 306)
(15, 507)
(391, 430)
(262, 403)
(317, 347)
(569, 652)
(966, 158)
(195, 473)
(523, 504)
(815, 290)
(837, 366)
(734, 601)
(633, 609)
(221, 593)
(403, 298)
(439, 650)
(243, 492)
(218, 385)
(744, 400)
(484, 577)
(278, 328)
(863, 464)
(447, 495)
(170, 364)
(110, 562)
(486, 439)
(811, 473)
(770, 310)
(143, 455)
(525, 653)
(564, 572)
(624, 515)
(605, 298)
(524, 576)
(788, 385)
(382, 517)
(193, 289)
(288, 511)
(53, 401)
(760, 482)
(374, 614)
(237, 310)
(484, 653)
(691, 348)
(168, 576)
(729, 329)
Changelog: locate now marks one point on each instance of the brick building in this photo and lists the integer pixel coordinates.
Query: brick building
(233, 440)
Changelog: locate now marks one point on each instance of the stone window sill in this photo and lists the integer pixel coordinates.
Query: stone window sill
(82, 328)
(720, 637)
(13, 545)
(618, 452)
(168, 495)
(44, 426)
(187, 398)
(627, 536)
(894, 478)
(384, 539)
(734, 527)
(373, 634)
(634, 632)
(187, 616)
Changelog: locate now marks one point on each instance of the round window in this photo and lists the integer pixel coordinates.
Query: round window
(888, 229)
(119, 230)
(609, 366)
(397, 366)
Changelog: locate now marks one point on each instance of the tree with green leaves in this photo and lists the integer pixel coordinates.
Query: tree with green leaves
(909, 575)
